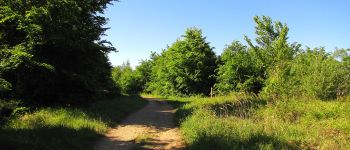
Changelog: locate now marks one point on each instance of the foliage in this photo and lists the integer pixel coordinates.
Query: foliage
(272, 45)
(66, 128)
(247, 68)
(4, 87)
(133, 81)
(144, 73)
(10, 109)
(280, 69)
(127, 79)
(51, 51)
(186, 67)
(343, 56)
(238, 71)
(313, 73)
(18, 71)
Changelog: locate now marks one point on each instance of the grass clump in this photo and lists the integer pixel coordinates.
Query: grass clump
(240, 121)
(66, 128)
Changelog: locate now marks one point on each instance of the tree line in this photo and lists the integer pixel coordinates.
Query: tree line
(52, 54)
(268, 65)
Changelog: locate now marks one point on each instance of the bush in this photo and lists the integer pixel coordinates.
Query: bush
(9, 109)
(185, 68)
(238, 70)
(128, 80)
(312, 73)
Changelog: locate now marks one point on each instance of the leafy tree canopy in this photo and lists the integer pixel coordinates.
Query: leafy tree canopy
(51, 51)
(186, 67)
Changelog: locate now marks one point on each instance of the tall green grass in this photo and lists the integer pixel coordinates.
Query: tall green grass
(66, 128)
(240, 121)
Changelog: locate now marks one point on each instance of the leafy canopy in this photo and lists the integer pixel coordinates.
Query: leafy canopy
(51, 51)
(186, 67)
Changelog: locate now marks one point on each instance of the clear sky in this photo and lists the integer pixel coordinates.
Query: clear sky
(141, 26)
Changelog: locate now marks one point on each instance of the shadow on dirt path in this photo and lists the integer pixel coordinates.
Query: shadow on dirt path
(152, 127)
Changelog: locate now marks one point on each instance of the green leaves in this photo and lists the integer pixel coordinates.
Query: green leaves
(6, 14)
(280, 69)
(272, 42)
(51, 51)
(126, 79)
(186, 67)
(4, 86)
(238, 71)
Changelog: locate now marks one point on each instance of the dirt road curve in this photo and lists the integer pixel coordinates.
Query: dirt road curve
(152, 127)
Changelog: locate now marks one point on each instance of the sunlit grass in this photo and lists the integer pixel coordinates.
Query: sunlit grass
(63, 117)
(218, 123)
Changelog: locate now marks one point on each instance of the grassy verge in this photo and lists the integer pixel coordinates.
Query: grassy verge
(247, 122)
(66, 128)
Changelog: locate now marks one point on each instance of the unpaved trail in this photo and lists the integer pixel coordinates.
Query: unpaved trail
(152, 128)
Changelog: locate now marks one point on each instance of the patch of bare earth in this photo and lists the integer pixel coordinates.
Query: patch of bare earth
(152, 128)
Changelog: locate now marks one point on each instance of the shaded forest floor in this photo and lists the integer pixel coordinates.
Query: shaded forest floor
(149, 128)
(66, 128)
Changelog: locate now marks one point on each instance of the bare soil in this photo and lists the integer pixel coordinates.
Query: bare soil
(152, 128)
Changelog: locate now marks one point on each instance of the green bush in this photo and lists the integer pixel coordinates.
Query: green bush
(313, 73)
(128, 80)
(10, 109)
(185, 68)
(238, 70)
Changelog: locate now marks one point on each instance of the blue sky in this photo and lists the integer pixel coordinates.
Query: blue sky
(141, 26)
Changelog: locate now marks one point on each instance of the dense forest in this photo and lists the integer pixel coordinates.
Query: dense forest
(52, 55)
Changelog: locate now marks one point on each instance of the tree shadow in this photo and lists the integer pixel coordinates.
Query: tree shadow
(53, 138)
(177, 104)
(114, 111)
(243, 108)
(46, 136)
(156, 117)
(209, 142)
(156, 144)
(149, 144)
(157, 114)
(180, 112)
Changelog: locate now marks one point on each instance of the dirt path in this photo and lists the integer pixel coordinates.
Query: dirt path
(152, 127)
